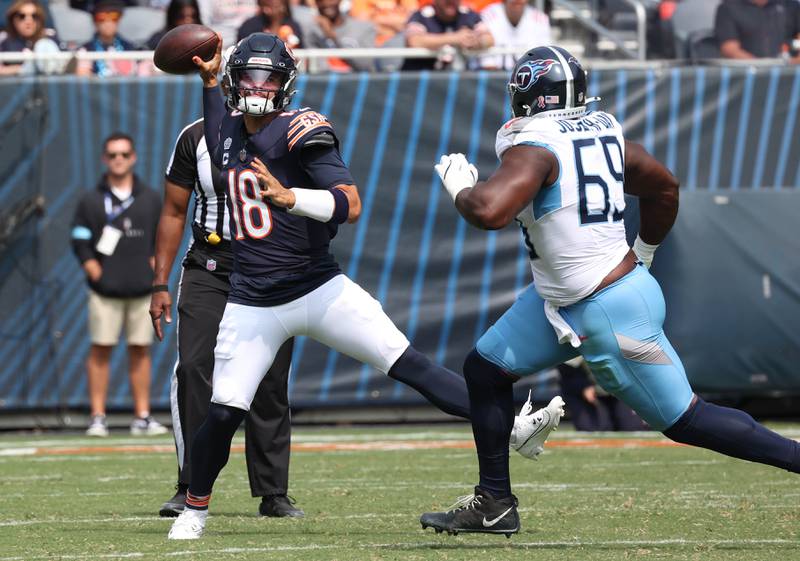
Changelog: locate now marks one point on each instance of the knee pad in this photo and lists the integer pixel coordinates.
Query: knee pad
(226, 391)
(225, 418)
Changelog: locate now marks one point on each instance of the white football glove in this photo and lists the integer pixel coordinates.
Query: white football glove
(644, 251)
(456, 173)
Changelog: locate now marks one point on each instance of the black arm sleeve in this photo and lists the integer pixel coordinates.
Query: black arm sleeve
(325, 166)
(182, 168)
(213, 112)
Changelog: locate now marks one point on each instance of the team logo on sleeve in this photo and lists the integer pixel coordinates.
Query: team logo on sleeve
(530, 72)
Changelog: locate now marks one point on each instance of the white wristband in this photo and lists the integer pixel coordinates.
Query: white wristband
(644, 251)
(313, 203)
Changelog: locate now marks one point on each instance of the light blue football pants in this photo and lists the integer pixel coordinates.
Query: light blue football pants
(623, 342)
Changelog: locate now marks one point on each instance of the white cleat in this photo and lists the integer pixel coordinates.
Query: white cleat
(532, 429)
(189, 525)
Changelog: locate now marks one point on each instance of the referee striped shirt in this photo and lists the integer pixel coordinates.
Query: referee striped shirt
(190, 167)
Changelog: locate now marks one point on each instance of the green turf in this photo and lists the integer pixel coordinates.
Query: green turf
(576, 503)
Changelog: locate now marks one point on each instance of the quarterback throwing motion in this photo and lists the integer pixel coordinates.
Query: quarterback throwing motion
(563, 177)
(288, 190)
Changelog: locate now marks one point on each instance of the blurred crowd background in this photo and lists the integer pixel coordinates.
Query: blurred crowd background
(459, 31)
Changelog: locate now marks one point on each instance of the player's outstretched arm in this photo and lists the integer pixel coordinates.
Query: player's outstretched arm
(213, 105)
(493, 204)
(657, 189)
(168, 239)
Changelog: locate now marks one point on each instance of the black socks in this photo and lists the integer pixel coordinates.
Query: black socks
(734, 433)
(210, 451)
(442, 387)
(491, 399)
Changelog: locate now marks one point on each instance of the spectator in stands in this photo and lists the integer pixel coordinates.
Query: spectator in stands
(226, 17)
(389, 16)
(179, 12)
(515, 24)
(275, 16)
(90, 5)
(113, 237)
(447, 26)
(304, 12)
(26, 31)
(748, 29)
(107, 14)
(335, 29)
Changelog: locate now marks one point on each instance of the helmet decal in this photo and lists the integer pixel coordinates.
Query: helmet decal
(530, 72)
(262, 60)
(549, 82)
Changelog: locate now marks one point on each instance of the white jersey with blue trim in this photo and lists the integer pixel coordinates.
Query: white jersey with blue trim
(574, 228)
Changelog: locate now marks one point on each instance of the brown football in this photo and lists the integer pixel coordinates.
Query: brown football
(176, 48)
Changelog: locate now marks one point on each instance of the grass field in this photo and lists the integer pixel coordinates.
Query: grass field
(68, 497)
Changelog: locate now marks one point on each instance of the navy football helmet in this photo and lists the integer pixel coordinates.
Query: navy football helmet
(260, 74)
(548, 81)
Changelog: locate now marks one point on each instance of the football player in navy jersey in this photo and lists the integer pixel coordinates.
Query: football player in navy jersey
(288, 190)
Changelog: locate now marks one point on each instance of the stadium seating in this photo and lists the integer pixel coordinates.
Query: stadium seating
(139, 23)
(694, 19)
(74, 27)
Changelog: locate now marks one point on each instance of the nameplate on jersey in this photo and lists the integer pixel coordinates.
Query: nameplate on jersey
(108, 241)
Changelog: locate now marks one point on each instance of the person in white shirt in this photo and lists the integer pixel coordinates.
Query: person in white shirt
(514, 23)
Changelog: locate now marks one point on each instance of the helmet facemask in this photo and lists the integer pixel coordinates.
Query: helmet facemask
(259, 89)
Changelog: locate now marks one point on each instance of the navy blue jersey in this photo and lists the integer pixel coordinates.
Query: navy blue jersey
(278, 256)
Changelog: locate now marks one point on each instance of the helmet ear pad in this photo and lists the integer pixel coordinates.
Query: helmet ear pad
(547, 80)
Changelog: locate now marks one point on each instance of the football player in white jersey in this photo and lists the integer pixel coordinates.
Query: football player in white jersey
(563, 175)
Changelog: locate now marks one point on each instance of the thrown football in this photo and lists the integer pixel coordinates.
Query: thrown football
(176, 48)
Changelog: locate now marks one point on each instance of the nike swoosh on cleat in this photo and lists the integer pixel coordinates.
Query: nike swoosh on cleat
(545, 422)
(490, 523)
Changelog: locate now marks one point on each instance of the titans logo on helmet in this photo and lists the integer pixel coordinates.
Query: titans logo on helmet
(530, 72)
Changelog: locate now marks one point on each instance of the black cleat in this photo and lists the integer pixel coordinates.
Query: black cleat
(478, 513)
(279, 506)
(175, 505)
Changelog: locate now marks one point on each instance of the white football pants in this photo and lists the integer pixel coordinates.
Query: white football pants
(339, 314)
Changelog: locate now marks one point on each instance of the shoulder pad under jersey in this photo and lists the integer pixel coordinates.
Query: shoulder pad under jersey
(304, 125)
(323, 138)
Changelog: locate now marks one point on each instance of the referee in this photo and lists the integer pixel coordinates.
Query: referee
(202, 294)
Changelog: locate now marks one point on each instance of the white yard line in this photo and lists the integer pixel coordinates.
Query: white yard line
(578, 544)
(298, 436)
(301, 437)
